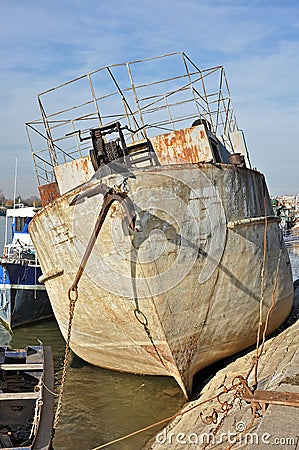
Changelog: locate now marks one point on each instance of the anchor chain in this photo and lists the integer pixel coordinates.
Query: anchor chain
(109, 197)
(73, 289)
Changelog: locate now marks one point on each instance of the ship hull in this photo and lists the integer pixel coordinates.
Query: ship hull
(23, 299)
(181, 291)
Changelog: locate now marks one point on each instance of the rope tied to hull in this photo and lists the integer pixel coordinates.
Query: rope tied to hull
(238, 386)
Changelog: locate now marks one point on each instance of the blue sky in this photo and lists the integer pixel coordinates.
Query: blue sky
(44, 43)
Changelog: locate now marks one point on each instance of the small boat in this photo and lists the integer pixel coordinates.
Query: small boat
(154, 223)
(23, 299)
(26, 406)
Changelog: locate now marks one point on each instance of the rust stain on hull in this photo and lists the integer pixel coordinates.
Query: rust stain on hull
(48, 193)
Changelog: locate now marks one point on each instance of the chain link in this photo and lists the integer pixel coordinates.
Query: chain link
(72, 302)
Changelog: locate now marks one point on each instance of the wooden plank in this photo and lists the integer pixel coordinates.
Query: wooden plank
(32, 367)
(19, 395)
(273, 398)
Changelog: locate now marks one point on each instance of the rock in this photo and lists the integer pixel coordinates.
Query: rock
(222, 420)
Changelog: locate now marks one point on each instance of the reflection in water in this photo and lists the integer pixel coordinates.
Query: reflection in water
(100, 405)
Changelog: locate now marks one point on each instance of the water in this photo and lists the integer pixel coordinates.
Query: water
(100, 405)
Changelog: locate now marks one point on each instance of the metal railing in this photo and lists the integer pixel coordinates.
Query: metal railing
(154, 95)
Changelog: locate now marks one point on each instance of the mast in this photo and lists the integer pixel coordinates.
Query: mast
(15, 184)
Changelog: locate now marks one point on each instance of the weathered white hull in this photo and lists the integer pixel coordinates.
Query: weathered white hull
(181, 292)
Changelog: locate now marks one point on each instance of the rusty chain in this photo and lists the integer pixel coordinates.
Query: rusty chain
(72, 302)
(110, 196)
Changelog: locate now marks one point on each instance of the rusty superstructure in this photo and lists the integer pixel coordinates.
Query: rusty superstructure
(144, 106)
(153, 219)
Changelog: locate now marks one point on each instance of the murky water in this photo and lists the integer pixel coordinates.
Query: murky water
(101, 405)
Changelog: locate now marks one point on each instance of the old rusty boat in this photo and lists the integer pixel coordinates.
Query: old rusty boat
(155, 228)
(26, 405)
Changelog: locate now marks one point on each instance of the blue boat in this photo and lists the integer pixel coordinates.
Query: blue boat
(23, 299)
